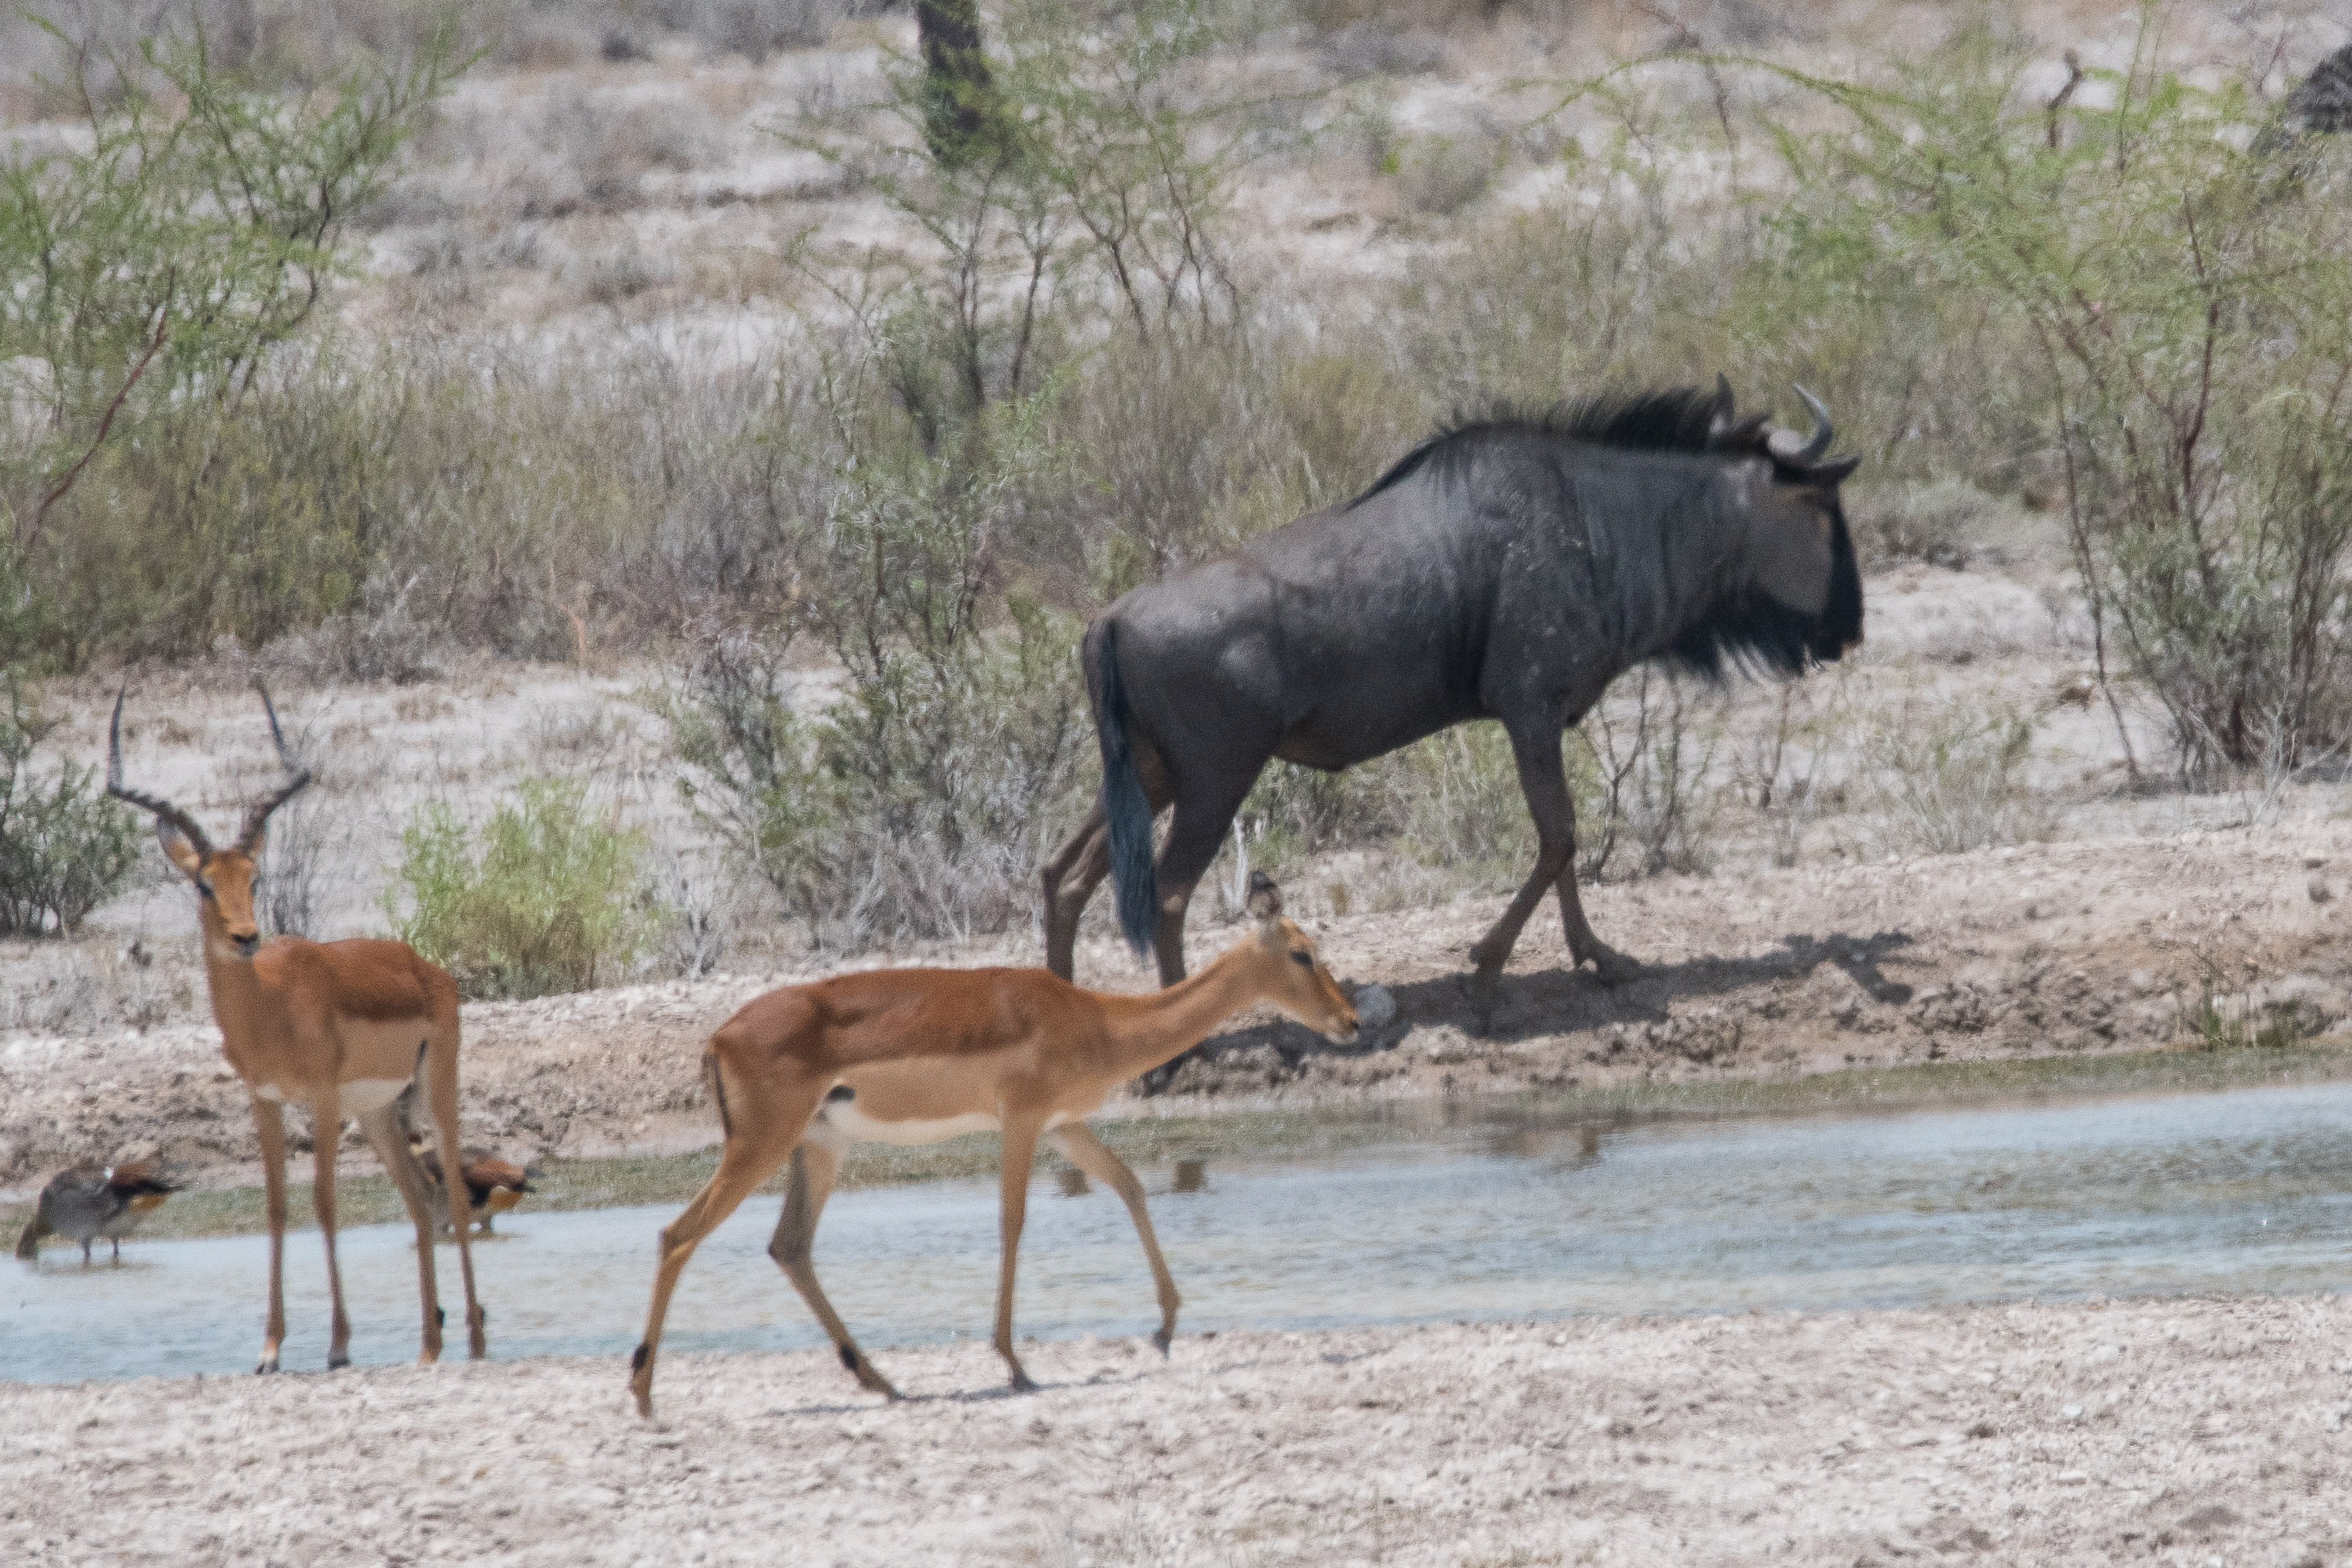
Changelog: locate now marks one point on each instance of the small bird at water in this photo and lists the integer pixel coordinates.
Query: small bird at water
(90, 1201)
(492, 1186)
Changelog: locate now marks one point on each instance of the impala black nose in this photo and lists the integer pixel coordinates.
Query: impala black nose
(248, 944)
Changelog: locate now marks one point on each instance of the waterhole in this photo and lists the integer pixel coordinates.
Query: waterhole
(2249, 1190)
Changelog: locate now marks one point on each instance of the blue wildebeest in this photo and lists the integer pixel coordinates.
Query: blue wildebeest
(1509, 567)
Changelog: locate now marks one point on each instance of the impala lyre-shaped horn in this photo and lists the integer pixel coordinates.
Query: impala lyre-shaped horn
(298, 779)
(166, 814)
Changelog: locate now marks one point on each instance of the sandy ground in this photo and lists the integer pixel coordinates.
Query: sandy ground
(2165, 1432)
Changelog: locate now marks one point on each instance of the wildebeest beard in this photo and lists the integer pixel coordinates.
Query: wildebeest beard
(1752, 631)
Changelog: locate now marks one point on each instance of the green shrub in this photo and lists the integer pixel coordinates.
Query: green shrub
(555, 894)
(1947, 782)
(193, 225)
(2183, 288)
(65, 848)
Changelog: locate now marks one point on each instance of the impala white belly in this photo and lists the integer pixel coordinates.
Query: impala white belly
(839, 1122)
(844, 1118)
(357, 1098)
(361, 1095)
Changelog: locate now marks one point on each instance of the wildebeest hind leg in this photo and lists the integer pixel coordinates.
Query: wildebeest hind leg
(1071, 877)
(1194, 832)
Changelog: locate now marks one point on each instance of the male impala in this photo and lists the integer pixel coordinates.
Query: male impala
(341, 1027)
(914, 1056)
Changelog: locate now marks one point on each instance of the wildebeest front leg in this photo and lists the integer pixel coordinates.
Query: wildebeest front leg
(1545, 783)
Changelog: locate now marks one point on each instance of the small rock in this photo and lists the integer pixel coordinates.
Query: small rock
(2318, 889)
(2071, 1413)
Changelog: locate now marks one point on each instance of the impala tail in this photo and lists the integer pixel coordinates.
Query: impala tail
(1126, 809)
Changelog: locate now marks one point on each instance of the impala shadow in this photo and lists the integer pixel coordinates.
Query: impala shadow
(1561, 1001)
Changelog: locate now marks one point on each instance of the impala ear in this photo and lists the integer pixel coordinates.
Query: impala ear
(1264, 897)
(177, 848)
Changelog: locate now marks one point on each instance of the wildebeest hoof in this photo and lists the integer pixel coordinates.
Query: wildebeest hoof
(1609, 966)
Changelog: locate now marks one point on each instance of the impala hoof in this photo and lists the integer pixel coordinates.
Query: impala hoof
(338, 1361)
(1163, 1338)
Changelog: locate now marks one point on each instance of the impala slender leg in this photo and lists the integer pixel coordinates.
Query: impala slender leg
(441, 1066)
(1077, 1144)
(326, 1136)
(750, 1156)
(1070, 878)
(813, 1169)
(390, 1141)
(270, 1121)
(1020, 1154)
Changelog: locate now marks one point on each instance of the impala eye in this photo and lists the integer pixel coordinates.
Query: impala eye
(1305, 958)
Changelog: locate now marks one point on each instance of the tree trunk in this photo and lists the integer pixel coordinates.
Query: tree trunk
(959, 95)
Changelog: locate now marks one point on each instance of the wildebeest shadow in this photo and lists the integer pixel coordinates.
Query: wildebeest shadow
(1560, 1000)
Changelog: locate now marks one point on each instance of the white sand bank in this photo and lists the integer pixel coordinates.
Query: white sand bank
(2165, 1432)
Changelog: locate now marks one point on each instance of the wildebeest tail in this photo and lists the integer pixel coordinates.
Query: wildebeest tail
(1126, 809)
(28, 1245)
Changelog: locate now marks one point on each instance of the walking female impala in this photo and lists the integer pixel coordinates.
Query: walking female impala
(341, 1027)
(914, 1056)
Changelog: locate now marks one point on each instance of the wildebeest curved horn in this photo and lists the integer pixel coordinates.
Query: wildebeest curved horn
(1824, 432)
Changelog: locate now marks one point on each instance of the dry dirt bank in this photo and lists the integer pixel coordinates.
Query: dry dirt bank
(2065, 947)
(2165, 1432)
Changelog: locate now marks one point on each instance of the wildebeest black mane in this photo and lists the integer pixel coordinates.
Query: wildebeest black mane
(1670, 419)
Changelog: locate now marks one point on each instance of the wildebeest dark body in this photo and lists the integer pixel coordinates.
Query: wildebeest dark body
(1507, 569)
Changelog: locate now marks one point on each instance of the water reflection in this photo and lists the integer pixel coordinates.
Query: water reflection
(2249, 1190)
(1574, 1147)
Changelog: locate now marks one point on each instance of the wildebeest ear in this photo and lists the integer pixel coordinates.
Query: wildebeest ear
(1264, 897)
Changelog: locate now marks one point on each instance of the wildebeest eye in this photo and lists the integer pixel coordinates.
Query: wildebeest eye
(1305, 958)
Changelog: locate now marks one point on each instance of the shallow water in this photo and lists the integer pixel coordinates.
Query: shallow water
(2249, 1190)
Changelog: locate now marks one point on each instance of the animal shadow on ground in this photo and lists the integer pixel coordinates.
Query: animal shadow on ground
(956, 1396)
(1560, 1000)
